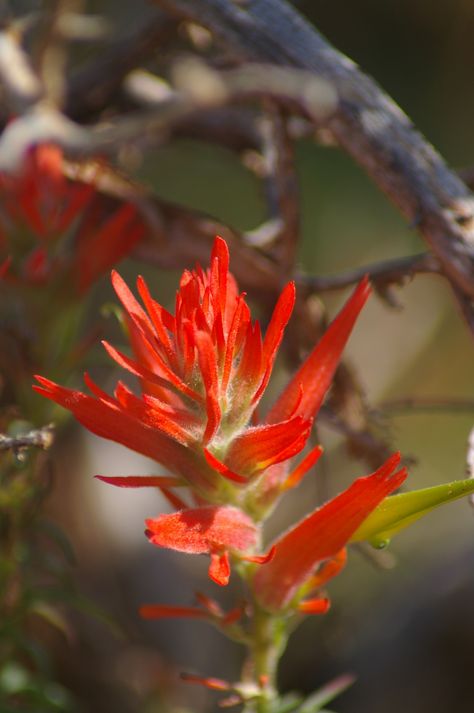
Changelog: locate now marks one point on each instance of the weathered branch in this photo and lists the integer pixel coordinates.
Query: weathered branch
(92, 88)
(382, 274)
(366, 123)
(36, 438)
(199, 89)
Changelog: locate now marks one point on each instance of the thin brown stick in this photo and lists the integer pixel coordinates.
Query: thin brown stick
(429, 404)
(94, 87)
(36, 438)
(382, 274)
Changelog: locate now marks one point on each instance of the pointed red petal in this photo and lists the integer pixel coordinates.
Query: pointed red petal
(250, 366)
(204, 529)
(233, 615)
(223, 469)
(215, 684)
(158, 316)
(208, 367)
(279, 320)
(164, 611)
(300, 471)
(322, 534)
(274, 335)
(149, 411)
(99, 250)
(212, 607)
(140, 481)
(260, 559)
(316, 373)
(219, 568)
(262, 446)
(315, 606)
(329, 569)
(174, 500)
(231, 343)
(106, 419)
(139, 370)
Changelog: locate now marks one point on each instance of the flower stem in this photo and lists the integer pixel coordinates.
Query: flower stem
(268, 640)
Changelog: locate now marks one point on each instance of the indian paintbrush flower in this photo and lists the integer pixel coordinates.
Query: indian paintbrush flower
(202, 373)
(52, 226)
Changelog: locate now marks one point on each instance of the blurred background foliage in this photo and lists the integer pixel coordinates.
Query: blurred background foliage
(406, 631)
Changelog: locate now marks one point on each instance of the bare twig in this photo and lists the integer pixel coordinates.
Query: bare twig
(200, 90)
(382, 274)
(22, 86)
(36, 438)
(281, 188)
(430, 404)
(93, 88)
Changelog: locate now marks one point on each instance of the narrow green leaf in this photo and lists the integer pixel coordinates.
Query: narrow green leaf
(317, 701)
(399, 511)
(287, 704)
(54, 618)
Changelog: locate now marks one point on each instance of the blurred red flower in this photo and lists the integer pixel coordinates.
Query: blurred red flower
(50, 225)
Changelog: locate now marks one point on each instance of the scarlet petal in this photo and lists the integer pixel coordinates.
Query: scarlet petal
(137, 369)
(322, 534)
(300, 471)
(329, 569)
(215, 684)
(250, 366)
(274, 334)
(223, 469)
(315, 374)
(208, 367)
(105, 418)
(279, 320)
(204, 529)
(99, 249)
(262, 446)
(219, 569)
(315, 606)
(260, 559)
(140, 481)
(164, 611)
(211, 606)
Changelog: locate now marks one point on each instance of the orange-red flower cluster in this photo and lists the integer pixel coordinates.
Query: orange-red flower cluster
(52, 226)
(202, 373)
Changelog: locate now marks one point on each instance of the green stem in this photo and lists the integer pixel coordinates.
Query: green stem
(268, 640)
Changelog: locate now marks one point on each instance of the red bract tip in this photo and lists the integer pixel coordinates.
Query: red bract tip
(141, 481)
(300, 471)
(4, 266)
(316, 373)
(315, 606)
(164, 611)
(216, 684)
(223, 469)
(321, 535)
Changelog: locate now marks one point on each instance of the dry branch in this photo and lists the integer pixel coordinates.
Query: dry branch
(36, 438)
(366, 122)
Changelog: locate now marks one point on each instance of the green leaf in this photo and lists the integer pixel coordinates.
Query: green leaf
(54, 618)
(317, 701)
(287, 703)
(399, 511)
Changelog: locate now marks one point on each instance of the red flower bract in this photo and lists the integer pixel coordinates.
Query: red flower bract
(40, 200)
(321, 535)
(202, 373)
(213, 530)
